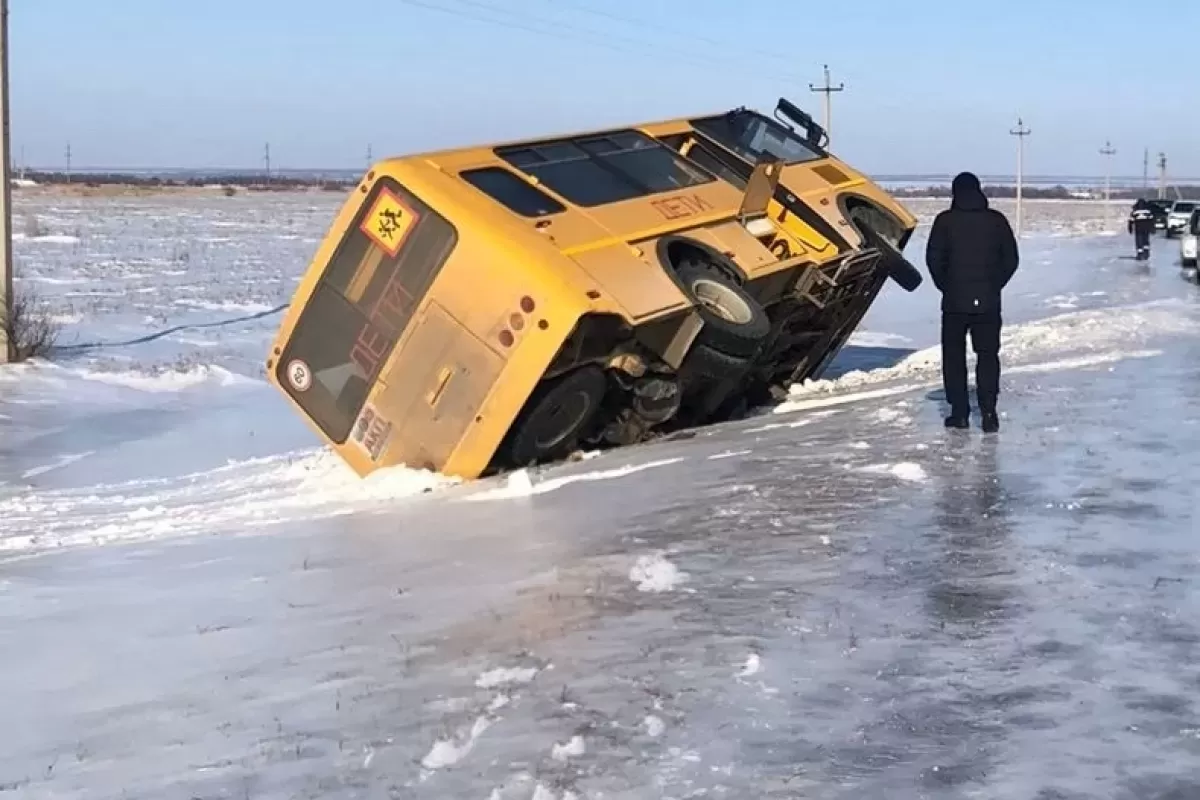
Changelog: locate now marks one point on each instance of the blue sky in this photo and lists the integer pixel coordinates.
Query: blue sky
(931, 85)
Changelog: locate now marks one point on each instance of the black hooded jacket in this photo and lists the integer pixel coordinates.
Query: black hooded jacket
(971, 253)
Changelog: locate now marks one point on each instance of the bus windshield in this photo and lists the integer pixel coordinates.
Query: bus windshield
(751, 136)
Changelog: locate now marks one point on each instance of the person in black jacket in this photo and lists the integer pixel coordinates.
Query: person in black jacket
(1141, 225)
(972, 255)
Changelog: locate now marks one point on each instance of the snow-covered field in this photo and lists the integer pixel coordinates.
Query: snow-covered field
(834, 599)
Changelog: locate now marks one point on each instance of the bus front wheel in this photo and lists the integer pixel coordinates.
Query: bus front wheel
(734, 322)
(556, 416)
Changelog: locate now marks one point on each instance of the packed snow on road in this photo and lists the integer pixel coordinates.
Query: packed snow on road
(835, 598)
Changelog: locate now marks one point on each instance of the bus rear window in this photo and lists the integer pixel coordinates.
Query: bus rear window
(362, 304)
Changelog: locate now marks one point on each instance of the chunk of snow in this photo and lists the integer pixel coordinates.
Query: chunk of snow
(655, 574)
(503, 676)
(574, 748)
(447, 753)
(654, 725)
(909, 471)
(906, 471)
(752, 666)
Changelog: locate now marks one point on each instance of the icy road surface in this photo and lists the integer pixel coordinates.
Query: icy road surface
(835, 599)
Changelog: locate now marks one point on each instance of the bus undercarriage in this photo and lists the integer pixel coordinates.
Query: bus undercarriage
(609, 387)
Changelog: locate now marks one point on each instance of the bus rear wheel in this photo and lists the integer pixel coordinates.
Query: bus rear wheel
(556, 416)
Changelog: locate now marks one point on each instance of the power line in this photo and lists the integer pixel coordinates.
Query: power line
(559, 30)
(652, 24)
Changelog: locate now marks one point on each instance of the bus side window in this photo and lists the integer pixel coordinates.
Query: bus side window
(513, 193)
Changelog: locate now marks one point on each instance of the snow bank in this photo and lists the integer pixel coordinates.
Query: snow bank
(241, 496)
(1090, 338)
(161, 380)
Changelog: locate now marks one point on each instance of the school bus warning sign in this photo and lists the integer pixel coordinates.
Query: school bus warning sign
(389, 222)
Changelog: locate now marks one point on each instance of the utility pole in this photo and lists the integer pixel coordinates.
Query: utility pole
(1145, 170)
(1021, 131)
(827, 89)
(1162, 175)
(68, 162)
(267, 161)
(370, 157)
(1109, 151)
(6, 282)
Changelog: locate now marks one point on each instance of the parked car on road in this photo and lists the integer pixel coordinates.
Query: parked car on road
(1160, 209)
(1178, 216)
(1189, 241)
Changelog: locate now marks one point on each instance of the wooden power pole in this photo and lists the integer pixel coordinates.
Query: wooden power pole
(6, 276)
(1021, 131)
(827, 89)
(1108, 151)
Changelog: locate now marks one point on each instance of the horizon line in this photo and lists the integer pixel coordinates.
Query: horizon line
(122, 170)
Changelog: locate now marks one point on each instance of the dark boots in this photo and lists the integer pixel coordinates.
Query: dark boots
(989, 420)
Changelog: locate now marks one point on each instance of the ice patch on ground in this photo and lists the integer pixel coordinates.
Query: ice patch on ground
(877, 339)
(654, 726)
(521, 483)
(654, 573)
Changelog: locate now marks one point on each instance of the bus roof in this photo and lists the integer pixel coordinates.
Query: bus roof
(471, 154)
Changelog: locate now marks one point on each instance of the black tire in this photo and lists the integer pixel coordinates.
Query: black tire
(898, 267)
(556, 416)
(735, 324)
(708, 364)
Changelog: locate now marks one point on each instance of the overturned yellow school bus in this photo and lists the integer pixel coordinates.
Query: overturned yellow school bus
(490, 307)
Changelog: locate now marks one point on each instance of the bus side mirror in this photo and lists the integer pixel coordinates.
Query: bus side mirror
(814, 133)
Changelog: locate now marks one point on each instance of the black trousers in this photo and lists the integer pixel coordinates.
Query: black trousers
(1141, 243)
(984, 330)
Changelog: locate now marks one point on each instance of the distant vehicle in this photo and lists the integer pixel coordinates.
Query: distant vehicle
(1178, 216)
(1160, 208)
(486, 308)
(1188, 242)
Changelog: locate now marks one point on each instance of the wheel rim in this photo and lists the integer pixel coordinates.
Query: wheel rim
(722, 301)
(563, 417)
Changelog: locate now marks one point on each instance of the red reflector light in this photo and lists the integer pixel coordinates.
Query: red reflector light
(527, 305)
(506, 338)
(516, 322)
